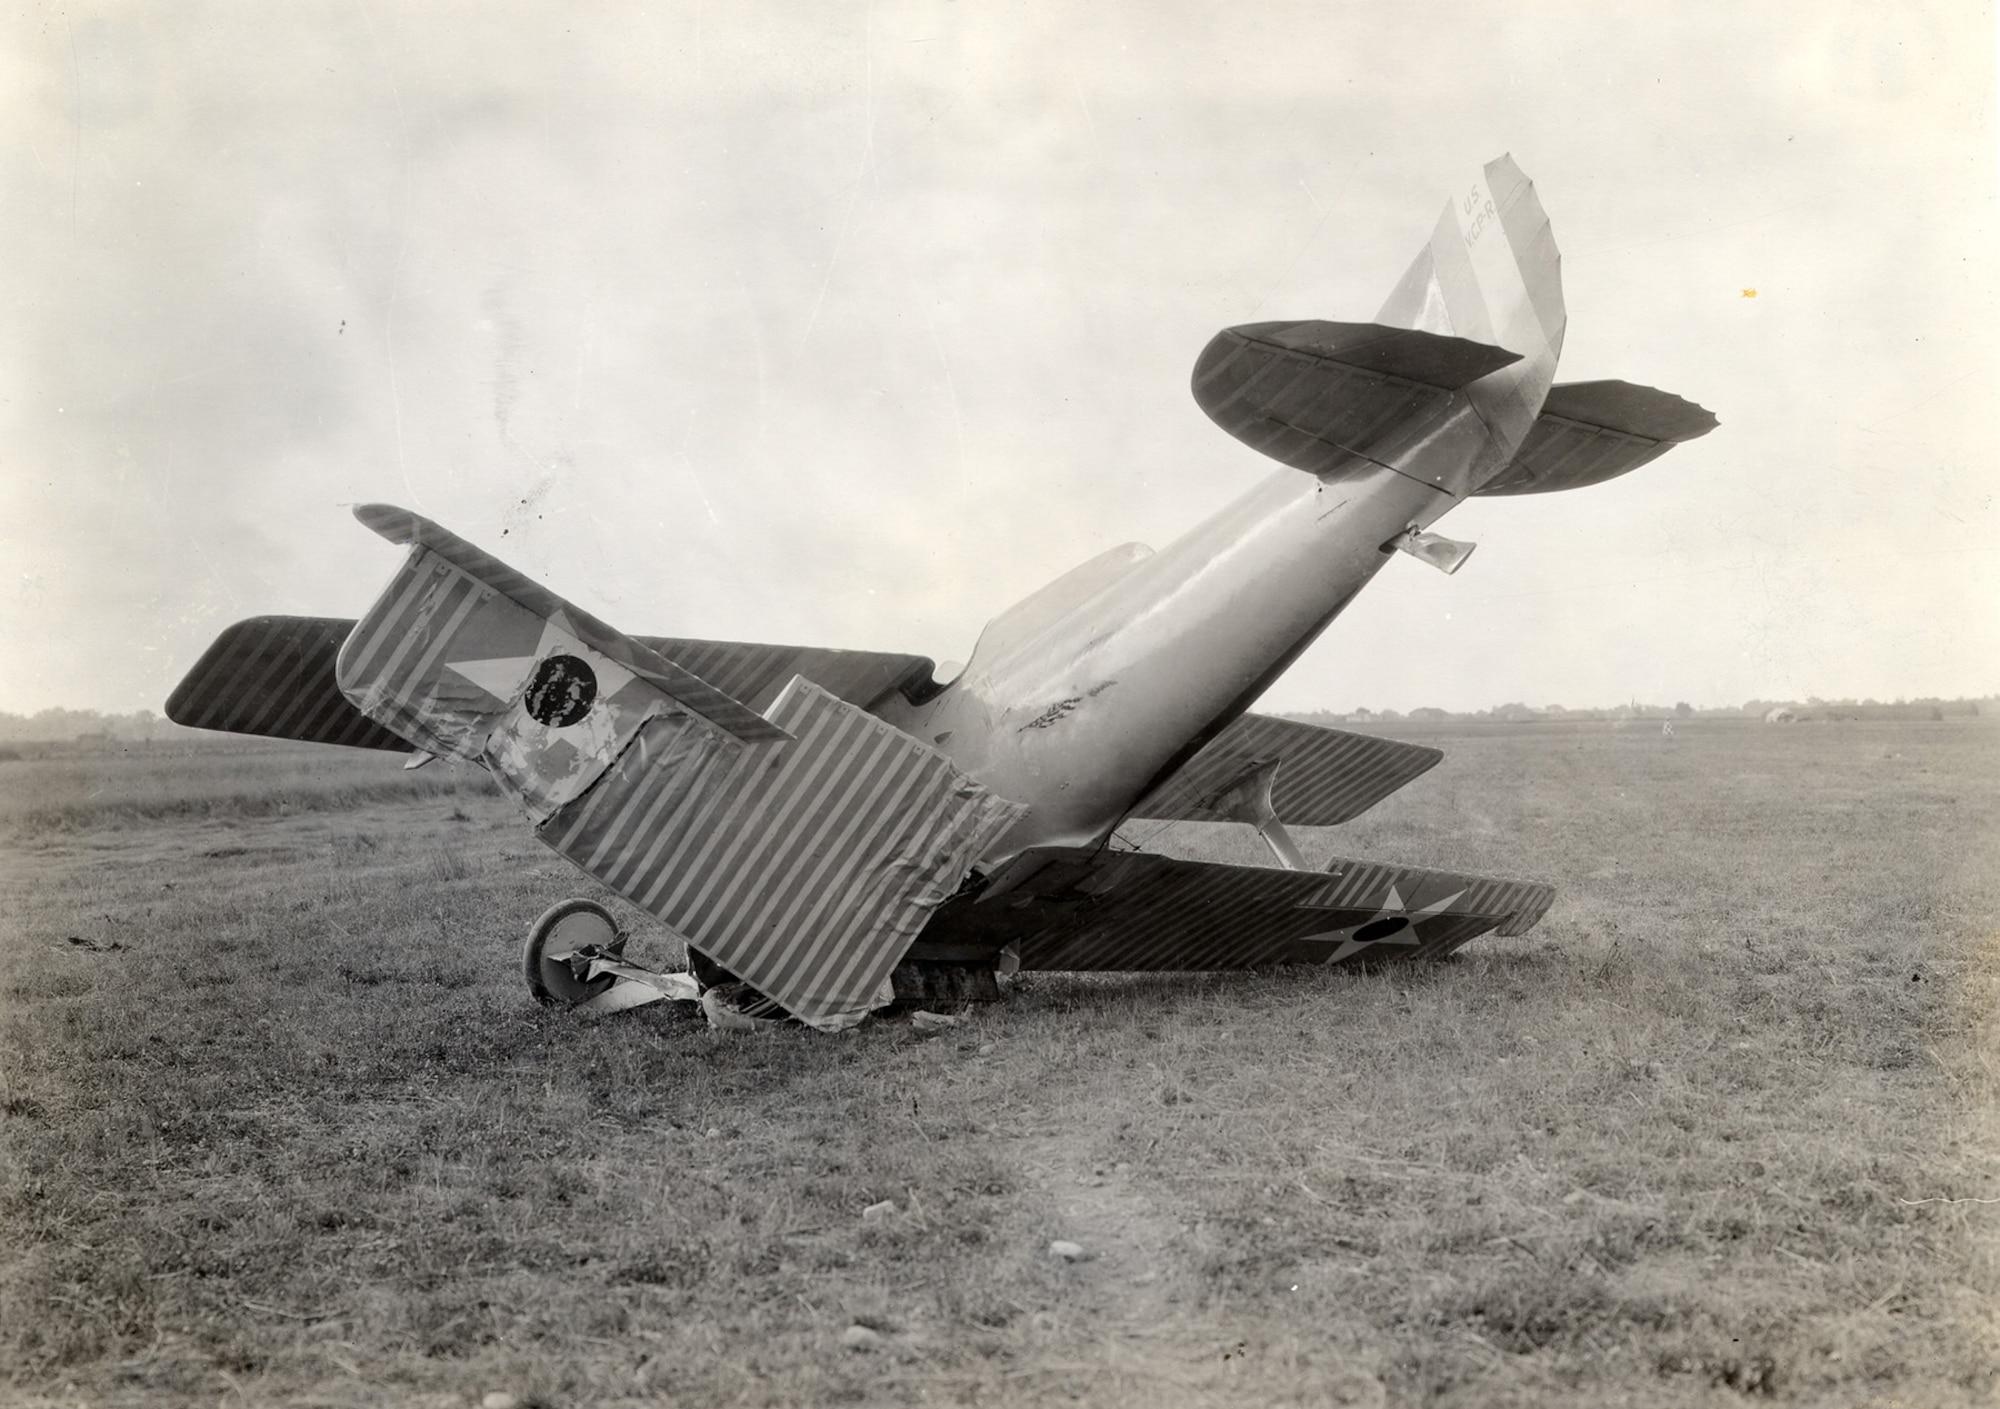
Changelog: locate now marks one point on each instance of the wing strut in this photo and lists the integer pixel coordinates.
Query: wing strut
(1249, 800)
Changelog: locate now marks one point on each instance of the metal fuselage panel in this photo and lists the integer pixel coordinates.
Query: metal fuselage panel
(1078, 712)
(1080, 719)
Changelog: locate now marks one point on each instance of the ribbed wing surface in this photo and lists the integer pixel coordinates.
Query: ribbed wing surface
(1590, 432)
(754, 673)
(806, 868)
(1074, 909)
(1325, 776)
(1333, 398)
(803, 849)
(487, 587)
(273, 676)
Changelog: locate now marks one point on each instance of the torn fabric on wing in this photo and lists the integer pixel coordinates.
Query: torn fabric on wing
(804, 868)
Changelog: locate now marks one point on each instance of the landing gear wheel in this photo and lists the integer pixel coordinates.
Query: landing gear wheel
(561, 945)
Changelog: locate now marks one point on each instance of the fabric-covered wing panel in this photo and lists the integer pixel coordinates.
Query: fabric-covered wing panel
(804, 855)
(755, 673)
(805, 868)
(1332, 398)
(1589, 432)
(273, 676)
(1073, 909)
(1325, 776)
(492, 578)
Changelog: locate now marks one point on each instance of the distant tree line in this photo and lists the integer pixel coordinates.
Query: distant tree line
(51, 726)
(69, 725)
(1809, 709)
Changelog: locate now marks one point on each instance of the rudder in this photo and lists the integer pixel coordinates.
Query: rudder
(1491, 273)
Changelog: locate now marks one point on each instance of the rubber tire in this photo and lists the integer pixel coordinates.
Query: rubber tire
(576, 922)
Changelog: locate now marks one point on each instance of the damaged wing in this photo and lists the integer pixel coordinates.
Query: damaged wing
(755, 673)
(802, 848)
(273, 676)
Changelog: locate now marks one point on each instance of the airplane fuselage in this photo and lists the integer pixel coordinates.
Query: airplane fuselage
(791, 813)
(1079, 717)
(1082, 698)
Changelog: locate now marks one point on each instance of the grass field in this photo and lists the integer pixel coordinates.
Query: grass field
(281, 1125)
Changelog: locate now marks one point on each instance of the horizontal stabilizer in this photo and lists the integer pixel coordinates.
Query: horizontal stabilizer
(1589, 432)
(1062, 908)
(1324, 776)
(273, 676)
(1335, 398)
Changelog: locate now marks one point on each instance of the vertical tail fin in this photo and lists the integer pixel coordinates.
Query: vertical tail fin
(1492, 273)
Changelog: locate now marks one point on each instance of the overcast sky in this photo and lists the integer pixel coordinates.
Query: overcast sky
(850, 324)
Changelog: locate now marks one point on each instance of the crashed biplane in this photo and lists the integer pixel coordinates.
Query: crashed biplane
(826, 828)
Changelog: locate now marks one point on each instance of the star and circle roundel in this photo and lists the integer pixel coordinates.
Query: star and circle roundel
(561, 692)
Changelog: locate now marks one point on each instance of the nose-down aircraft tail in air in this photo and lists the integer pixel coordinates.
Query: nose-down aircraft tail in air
(826, 828)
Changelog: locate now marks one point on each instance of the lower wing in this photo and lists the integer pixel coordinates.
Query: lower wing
(1323, 777)
(1062, 908)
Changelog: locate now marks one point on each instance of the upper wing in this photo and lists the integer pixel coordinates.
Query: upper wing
(273, 675)
(1589, 432)
(1336, 398)
(802, 849)
(755, 673)
(1076, 909)
(1325, 776)
(451, 591)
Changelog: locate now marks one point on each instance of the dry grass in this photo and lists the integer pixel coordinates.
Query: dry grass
(58, 788)
(281, 1123)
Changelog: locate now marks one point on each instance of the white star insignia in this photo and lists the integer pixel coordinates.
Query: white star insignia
(504, 676)
(1393, 907)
